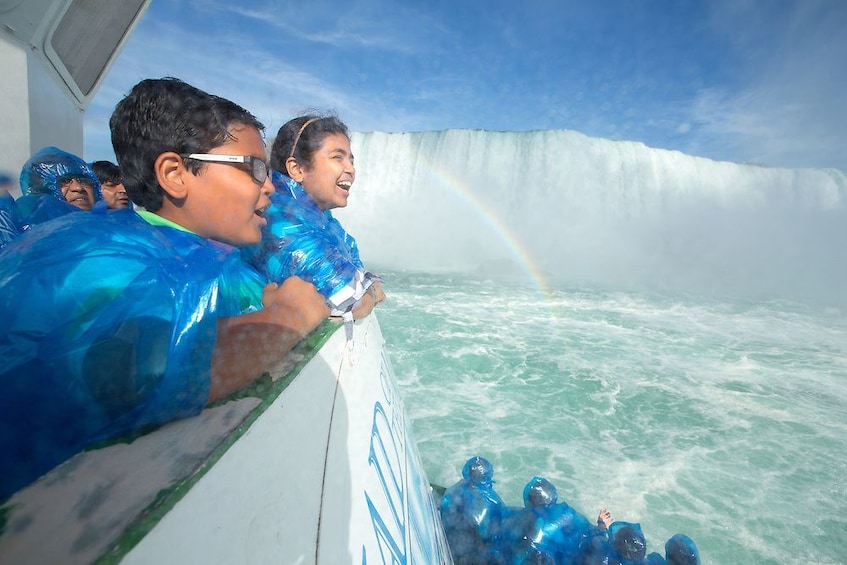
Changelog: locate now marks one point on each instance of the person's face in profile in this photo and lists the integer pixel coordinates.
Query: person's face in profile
(332, 173)
(77, 190)
(114, 194)
(227, 202)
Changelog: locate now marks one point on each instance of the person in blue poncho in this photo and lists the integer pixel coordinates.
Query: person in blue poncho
(52, 175)
(471, 511)
(117, 322)
(316, 172)
(627, 545)
(545, 527)
(681, 550)
(53, 183)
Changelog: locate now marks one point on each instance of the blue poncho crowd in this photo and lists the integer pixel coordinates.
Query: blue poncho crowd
(482, 530)
(110, 322)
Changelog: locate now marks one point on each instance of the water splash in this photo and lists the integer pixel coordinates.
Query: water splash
(557, 205)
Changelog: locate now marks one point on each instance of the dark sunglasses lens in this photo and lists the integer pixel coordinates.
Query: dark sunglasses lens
(260, 170)
(65, 180)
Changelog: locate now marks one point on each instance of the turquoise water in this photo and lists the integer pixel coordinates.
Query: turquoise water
(722, 420)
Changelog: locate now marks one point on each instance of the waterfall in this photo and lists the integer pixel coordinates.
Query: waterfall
(590, 211)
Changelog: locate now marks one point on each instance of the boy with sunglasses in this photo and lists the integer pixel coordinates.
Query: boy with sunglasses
(120, 321)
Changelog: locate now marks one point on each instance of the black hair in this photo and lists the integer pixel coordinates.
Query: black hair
(307, 143)
(161, 115)
(107, 172)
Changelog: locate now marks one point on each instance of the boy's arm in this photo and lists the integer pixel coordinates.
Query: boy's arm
(250, 344)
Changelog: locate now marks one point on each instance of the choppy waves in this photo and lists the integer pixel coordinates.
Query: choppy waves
(725, 421)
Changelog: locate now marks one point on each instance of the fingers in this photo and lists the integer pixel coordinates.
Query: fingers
(604, 519)
(379, 295)
(295, 293)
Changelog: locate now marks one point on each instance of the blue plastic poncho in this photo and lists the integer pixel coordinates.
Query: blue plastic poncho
(681, 550)
(303, 240)
(42, 198)
(594, 550)
(627, 545)
(109, 326)
(544, 526)
(471, 513)
(40, 174)
(10, 220)
(653, 558)
(239, 285)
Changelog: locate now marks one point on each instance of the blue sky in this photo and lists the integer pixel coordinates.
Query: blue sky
(761, 81)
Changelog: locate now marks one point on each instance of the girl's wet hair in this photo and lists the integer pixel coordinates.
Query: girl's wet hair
(303, 146)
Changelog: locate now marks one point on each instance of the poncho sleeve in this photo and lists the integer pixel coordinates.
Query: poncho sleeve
(108, 329)
(302, 240)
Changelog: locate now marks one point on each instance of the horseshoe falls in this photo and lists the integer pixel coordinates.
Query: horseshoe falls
(656, 333)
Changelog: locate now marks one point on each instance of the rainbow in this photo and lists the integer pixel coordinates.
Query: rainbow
(454, 185)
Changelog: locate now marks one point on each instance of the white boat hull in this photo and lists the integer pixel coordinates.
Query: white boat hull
(324, 472)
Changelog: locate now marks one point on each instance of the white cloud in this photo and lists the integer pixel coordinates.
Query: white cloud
(772, 93)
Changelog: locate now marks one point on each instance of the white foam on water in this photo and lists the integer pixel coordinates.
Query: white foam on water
(657, 333)
(722, 420)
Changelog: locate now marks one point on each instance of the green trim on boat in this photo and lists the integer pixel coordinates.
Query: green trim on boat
(264, 388)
